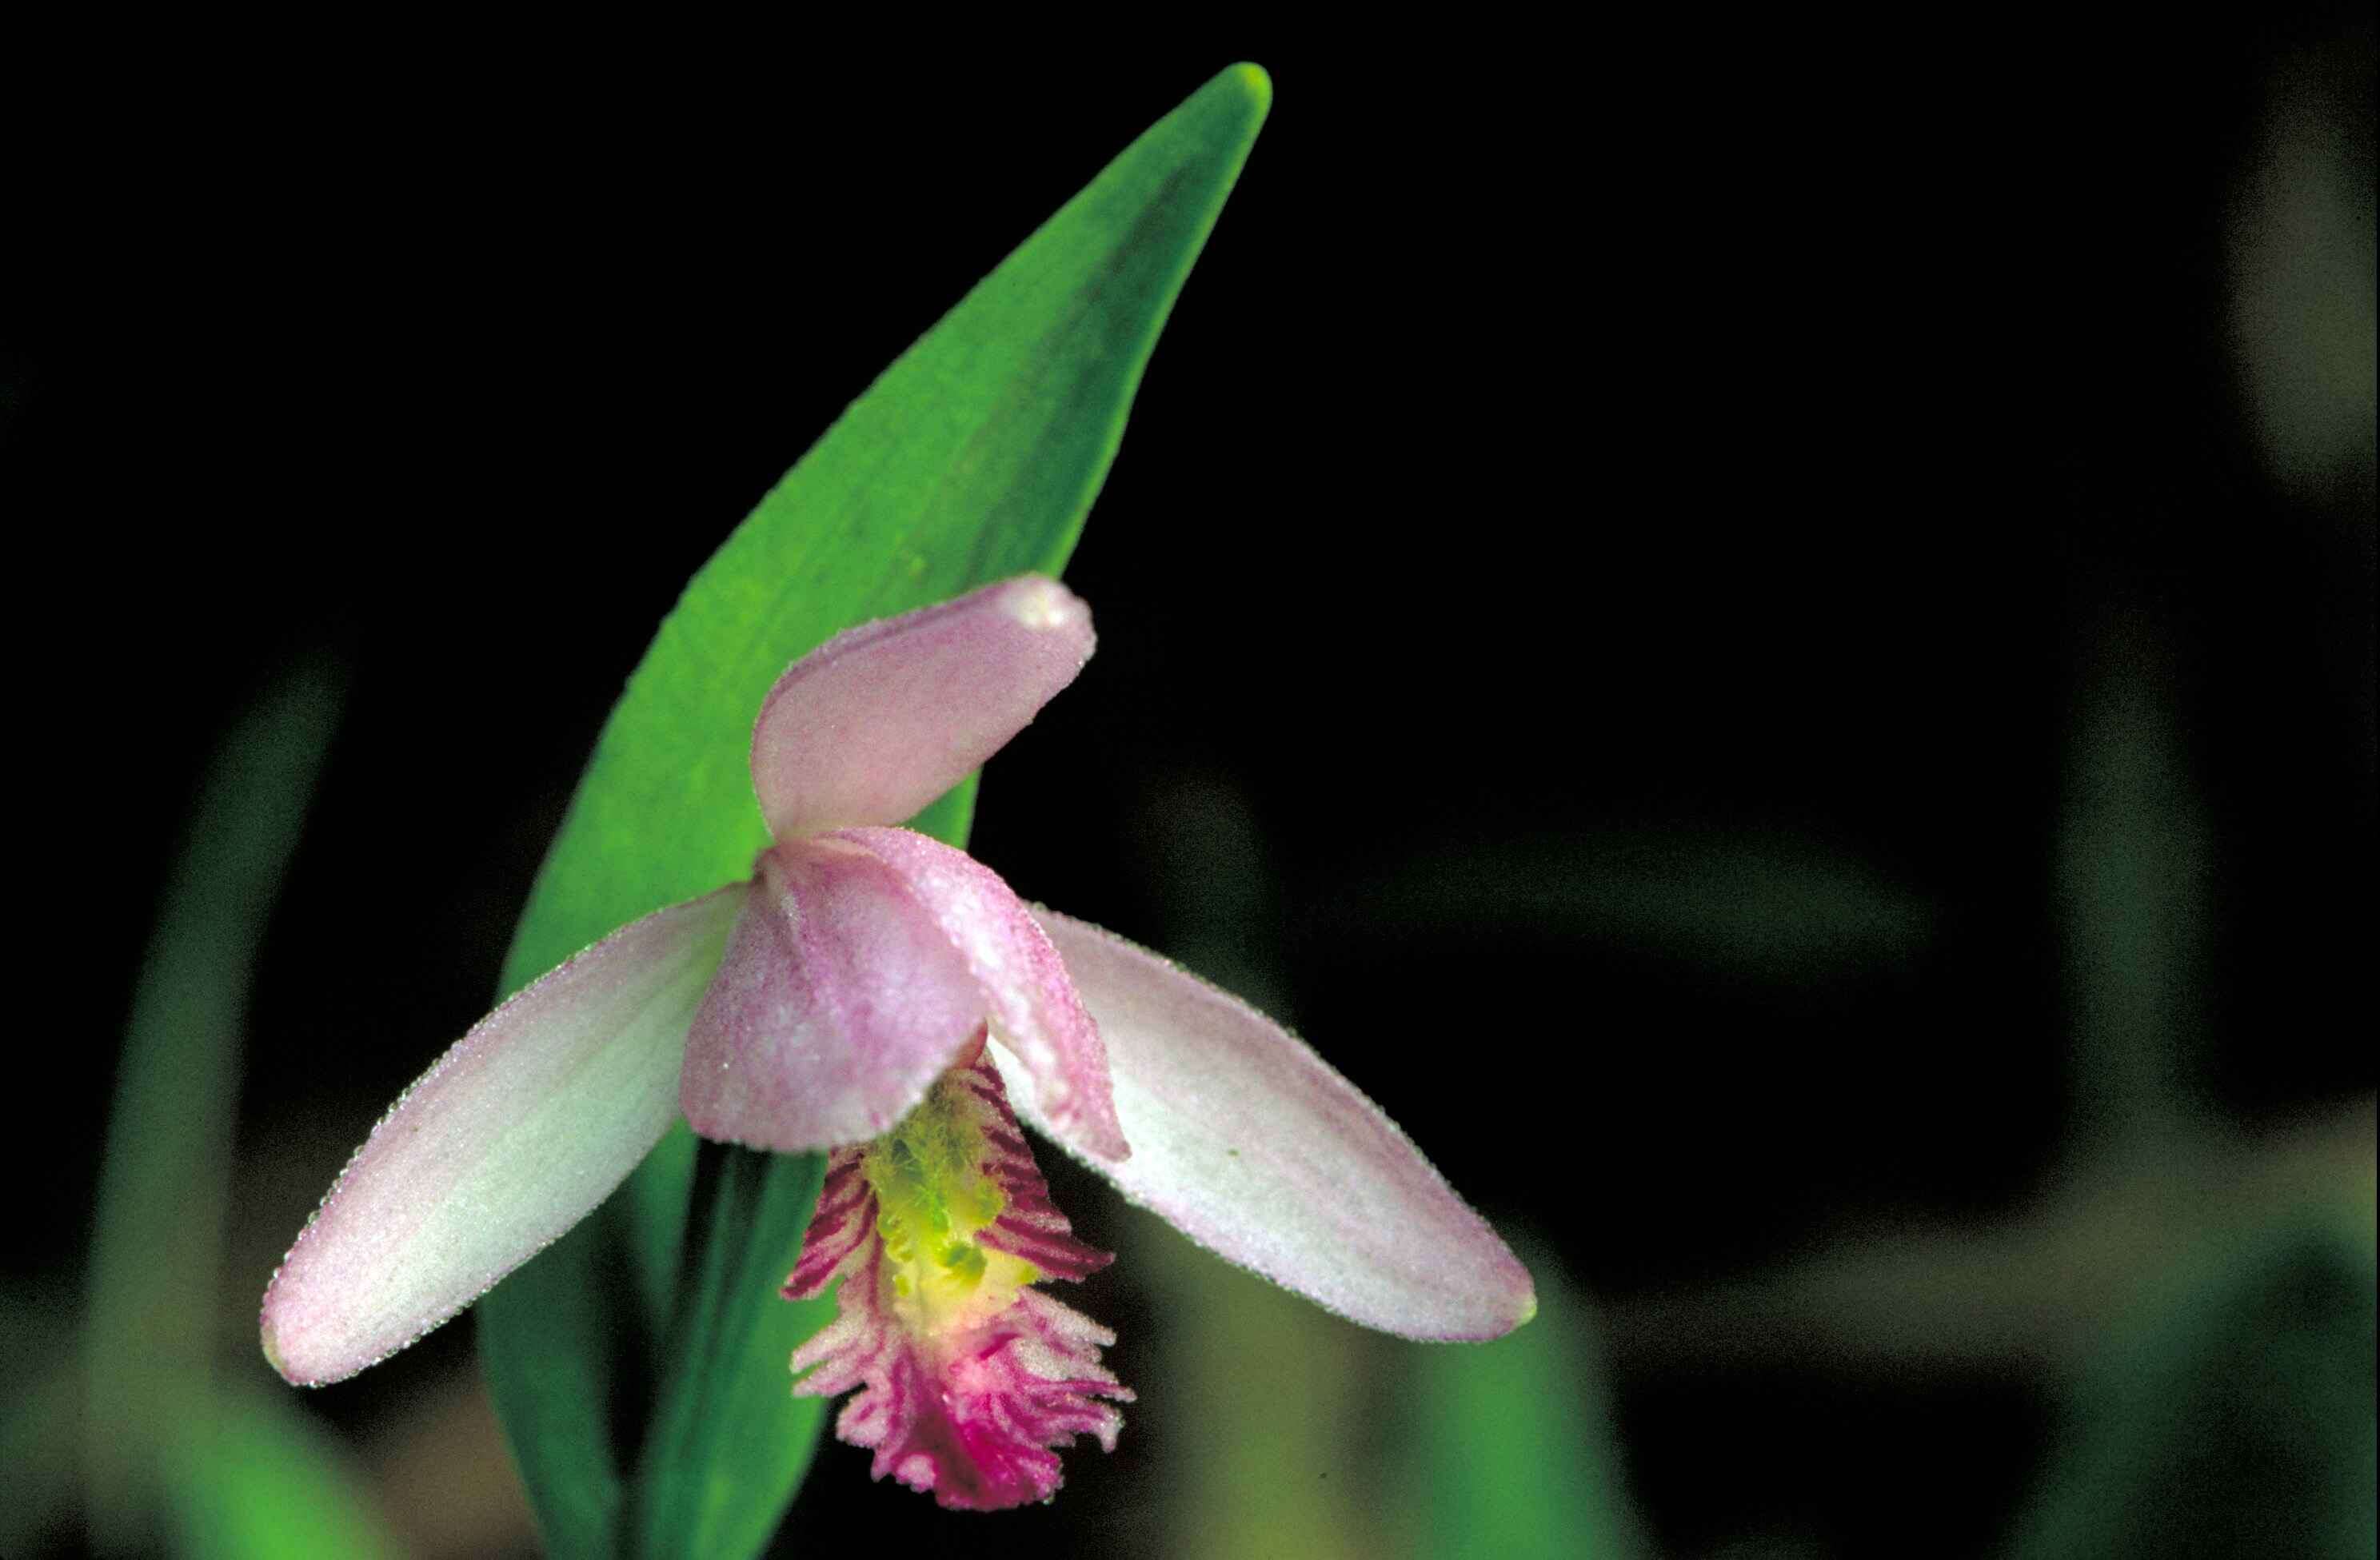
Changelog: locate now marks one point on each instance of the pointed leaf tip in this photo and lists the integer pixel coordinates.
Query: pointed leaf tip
(1228, 110)
(1255, 80)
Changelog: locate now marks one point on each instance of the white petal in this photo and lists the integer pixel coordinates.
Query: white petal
(1248, 1143)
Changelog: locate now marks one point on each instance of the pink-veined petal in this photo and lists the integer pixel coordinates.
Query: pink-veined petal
(838, 1004)
(1035, 1012)
(513, 1136)
(875, 723)
(1248, 1143)
(965, 1398)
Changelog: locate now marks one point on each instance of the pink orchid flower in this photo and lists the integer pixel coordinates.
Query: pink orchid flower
(841, 1001)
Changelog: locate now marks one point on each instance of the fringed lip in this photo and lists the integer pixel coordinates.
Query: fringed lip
(966, 1393)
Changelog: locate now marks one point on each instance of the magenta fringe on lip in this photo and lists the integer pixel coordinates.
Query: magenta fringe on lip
(970, 1415)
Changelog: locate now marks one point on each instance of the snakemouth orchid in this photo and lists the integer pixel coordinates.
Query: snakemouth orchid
(875, 994)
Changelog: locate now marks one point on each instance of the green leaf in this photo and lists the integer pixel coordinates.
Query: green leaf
(973, 457)
(2234, 1418)
(731, 1329)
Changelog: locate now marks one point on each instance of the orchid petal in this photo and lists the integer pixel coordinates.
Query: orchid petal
(1248, 1143)
(513, 1136)
(838, 1004)
(879, 721)
(967, 1376)
(1035, 1012)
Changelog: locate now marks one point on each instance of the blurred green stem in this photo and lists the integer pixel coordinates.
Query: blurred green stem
(157, 1233)
(2043, 1287)
(2131, 867)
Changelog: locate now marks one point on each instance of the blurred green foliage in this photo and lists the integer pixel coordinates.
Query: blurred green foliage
(1283, 1430)
(2233, 1416)
(1506, 1447)
(254, 1480)
(167, 1169)
(169, 1456)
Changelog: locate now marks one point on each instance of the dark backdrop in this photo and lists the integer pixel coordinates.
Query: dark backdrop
(1582, 487)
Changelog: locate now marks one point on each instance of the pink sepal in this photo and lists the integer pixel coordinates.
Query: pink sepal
(875, 723)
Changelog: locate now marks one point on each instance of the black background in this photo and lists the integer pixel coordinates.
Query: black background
(1562, 453)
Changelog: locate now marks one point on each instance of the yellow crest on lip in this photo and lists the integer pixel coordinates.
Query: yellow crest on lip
(933, 1199)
